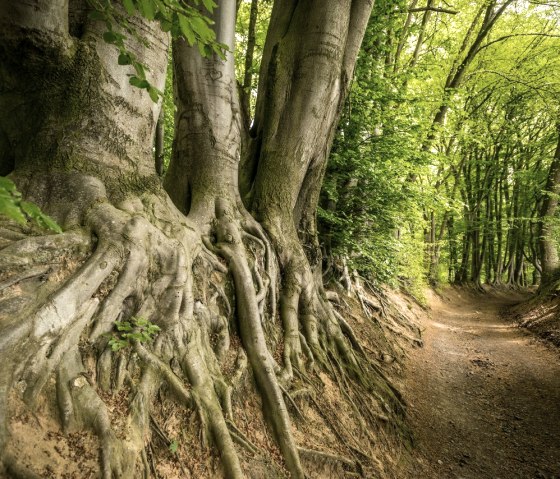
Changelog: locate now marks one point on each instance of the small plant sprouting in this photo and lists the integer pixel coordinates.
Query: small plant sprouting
(173, 446)
(137, 329)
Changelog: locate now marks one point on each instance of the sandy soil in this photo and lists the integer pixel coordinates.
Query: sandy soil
(483, 394)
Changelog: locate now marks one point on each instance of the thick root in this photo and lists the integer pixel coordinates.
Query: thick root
(229, 245)
(146, 260)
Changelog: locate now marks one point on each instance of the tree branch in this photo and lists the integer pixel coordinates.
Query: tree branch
(432, 9)
(505, 37)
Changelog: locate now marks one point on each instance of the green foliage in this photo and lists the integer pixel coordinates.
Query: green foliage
(178, 18)
(15, 208)
(407, 196)
(173, 447)
(368, 200)
(137, 329)
(169, 116)
(242, 38)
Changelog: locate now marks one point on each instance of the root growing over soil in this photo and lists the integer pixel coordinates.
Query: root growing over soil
(212, 286)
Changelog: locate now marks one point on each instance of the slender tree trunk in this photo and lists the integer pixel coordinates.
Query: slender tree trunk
(248, 72)
(547, 246)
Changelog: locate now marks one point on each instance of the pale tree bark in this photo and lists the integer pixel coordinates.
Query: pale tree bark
(78, 140)
(203, 181)
(548, 249)
(307, 43)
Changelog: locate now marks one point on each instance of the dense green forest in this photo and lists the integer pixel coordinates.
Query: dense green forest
(191, 189)
(452, 126)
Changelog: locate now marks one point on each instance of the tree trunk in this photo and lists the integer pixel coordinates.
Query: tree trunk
(294, 128)
(80, 139)
(194, 261)
(547, 246)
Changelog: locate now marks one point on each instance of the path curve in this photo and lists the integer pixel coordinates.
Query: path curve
(483, 394)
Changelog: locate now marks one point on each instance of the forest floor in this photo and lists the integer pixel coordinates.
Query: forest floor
(483, 394)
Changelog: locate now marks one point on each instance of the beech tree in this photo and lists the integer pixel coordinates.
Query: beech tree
(226, 248)
(548, 250)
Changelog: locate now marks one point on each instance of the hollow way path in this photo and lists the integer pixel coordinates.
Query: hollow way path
(483, 395)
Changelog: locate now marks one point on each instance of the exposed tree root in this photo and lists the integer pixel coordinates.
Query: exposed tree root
(147, 260)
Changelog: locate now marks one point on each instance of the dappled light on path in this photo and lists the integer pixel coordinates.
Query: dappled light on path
(483, 394)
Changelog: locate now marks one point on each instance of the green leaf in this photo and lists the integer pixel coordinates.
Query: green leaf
(12, 207)
(209, 4)
(201, 49)
(220, 50)
(186, 30)
(112, 37)
(117, 344)
(124, 59)
(50, 224)
(147, 9)
(138, 82)
(129, 6)
(202, 29)
(162, 7)
(165, 25)
(30, 209)
(140, 70)
(208, 50)
(174, 447)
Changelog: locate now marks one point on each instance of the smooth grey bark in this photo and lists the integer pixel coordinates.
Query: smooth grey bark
(206, 149)
(308, 43)
(80, 140)
(548, 249)
(203, 181)
(90, 164)
(307, 66)
(74, 78)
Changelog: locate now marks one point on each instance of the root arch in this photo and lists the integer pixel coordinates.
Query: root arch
(211, 285)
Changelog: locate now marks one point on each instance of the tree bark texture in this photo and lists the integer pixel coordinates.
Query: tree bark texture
(547, 246)
(229, 283)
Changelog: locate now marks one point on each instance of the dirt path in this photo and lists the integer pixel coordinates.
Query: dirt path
(483, 395)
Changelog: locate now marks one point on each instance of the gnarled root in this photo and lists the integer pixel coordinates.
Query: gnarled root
(229, 245)
(146, 260)
(141, 266)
